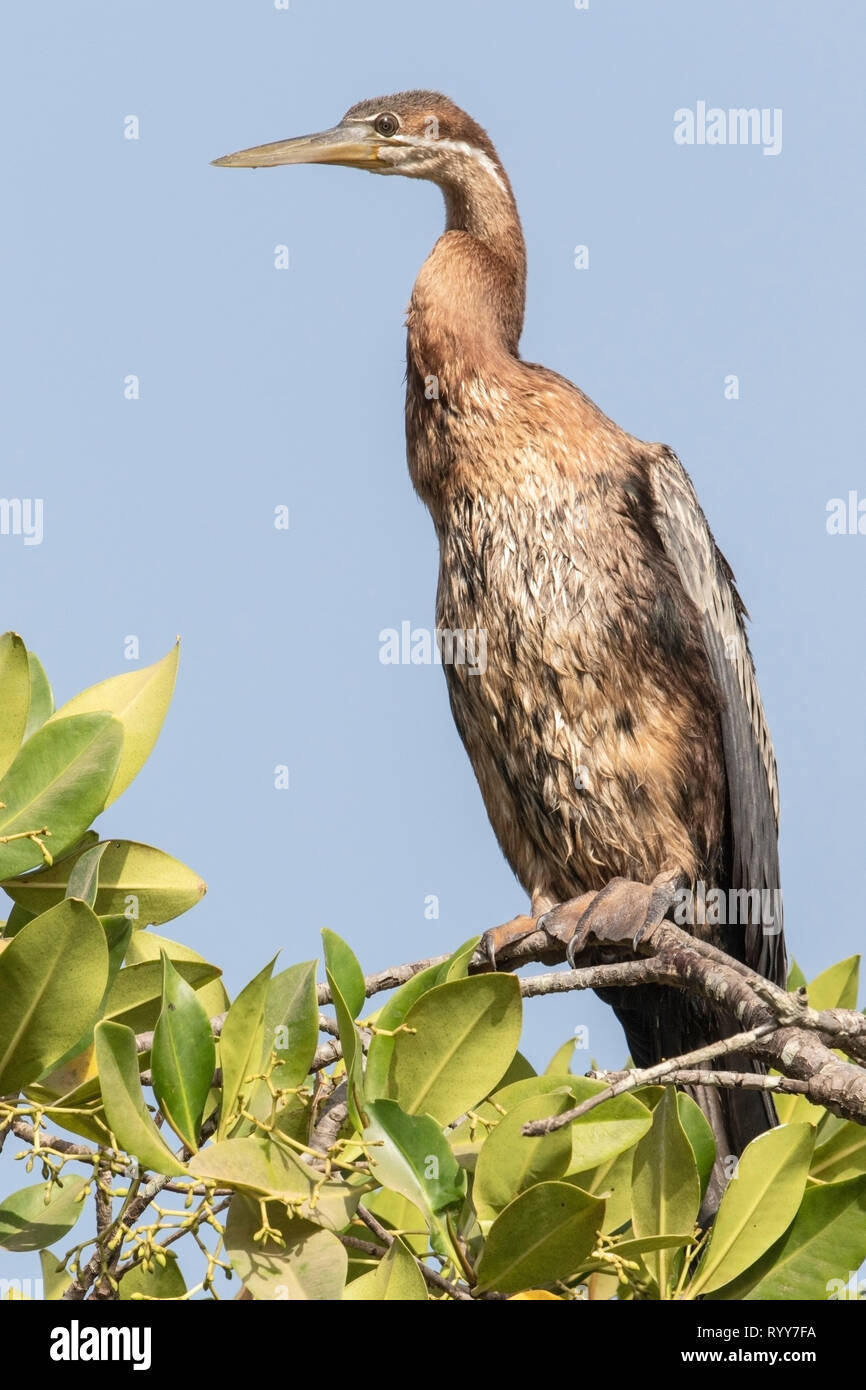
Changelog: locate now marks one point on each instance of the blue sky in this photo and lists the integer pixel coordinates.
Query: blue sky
(262, 387)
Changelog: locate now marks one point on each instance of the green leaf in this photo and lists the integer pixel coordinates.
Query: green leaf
(396, 1279)
(561, 1060)
(836, 988)
(796, 978)
(258, 1166)
(41, 696)
(18, 918)
(243, 1047)
(542, 1237)
(14, 697)
(139, 701)
(612, 1181)
(117, 933)
(509, 1162)
(457, 967)
(135, 997)
(52, 979)
(400, 1216)
(292, 1022)
(183, 1057)
(666, 1188)
(58, 781)
(55, 1280)
(164, 1281)
(125, 1109)
(700, 1135)
(342, 965)
(27, 1222)
(352, 1054)
(628, 1249)
(610, 1129)
(465, 1035)
(842, 1156)
(310, 1264)
(758, 1205)
(390, 1017)
(147, 945)
(84, 878)
(135, 881)
(823, 1245)
(411, 1156)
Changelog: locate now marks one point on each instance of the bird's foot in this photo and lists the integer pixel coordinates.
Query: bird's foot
(495, 939)
(622, 913)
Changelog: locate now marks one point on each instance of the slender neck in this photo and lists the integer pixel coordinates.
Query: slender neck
(471, 290)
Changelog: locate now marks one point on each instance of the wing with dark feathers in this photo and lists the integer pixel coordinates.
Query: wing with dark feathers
(750, 764)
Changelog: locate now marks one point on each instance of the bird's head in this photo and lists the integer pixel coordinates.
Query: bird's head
(422, 135)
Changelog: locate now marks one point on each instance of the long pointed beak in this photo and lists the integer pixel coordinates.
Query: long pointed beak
(350, 145)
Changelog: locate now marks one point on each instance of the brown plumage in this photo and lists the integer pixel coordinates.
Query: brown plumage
(617, 730)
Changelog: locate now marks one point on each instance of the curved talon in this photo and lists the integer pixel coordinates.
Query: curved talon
(496, 939)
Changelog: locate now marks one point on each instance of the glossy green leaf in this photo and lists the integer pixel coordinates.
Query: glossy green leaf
(117, 933)
(758, 1204)
(509, 1162)
(666, 1188)
(352, 1054)
(59, 780)
(41, 696)
(342, 965)
(147, 946)
(836, 987)
(27, 1223)
(135, 997)
(84, 877)
(412, 1156)
(608, 1130)
(139, 701)
(292, 1022)
(390, 1017)
(700, 1135)
(457, 965)
(52, 979)
(543, 1236)
(163, 1281)
(127, 1114)
(842, 1156)
(183, 1057)
(14, 697)
(243, 1047)
(465, 1035)
(396, 1279)
(612, 1181)
(309, 1265)
(823, 1246)
(136, 881)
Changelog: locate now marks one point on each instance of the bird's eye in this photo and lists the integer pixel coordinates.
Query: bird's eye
(386, 125)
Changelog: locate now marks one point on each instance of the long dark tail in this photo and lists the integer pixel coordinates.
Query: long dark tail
(661, 1023)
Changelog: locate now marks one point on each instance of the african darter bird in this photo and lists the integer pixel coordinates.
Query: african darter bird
(617, 732)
